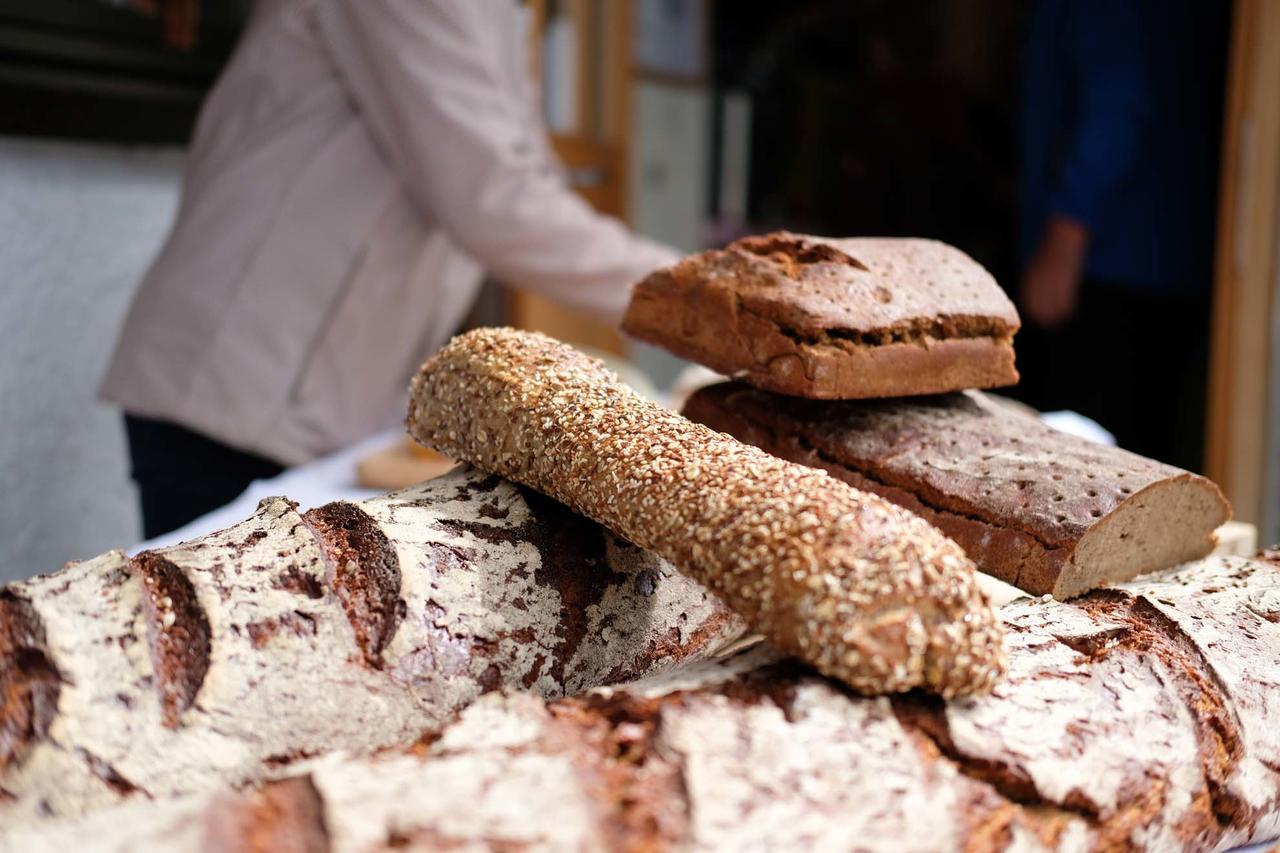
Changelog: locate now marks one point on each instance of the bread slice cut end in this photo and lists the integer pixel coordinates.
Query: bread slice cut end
(1166, 524)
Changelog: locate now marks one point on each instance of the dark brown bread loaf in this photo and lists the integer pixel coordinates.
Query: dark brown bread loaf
(1139, 718)
(853, 585)
(833, 319)
(1037, 508)
(352, 627)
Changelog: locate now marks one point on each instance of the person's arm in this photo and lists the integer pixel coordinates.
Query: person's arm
(467, 149)
(1106, 51)
(1051, 282)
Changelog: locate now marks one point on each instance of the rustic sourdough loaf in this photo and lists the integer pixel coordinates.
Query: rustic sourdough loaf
(351, 627)
(1037, 508)
(833, 318)
(1140, 718)
(862, 590)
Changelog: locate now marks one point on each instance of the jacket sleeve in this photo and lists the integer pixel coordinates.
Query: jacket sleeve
(1108, 69)
(437, 95)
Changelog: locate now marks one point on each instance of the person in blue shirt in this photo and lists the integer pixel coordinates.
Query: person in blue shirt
(1119, 135)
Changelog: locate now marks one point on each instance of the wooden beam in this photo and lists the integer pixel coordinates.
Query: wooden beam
(1245, 274)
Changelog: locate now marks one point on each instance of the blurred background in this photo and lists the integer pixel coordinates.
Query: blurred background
(1115, 165)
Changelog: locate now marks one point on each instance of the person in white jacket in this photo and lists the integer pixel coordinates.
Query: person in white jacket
(354, 170)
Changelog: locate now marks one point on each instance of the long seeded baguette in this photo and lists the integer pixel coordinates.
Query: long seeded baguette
(1037, 508)
(1139, 718)
(844, 580)
(353, 627)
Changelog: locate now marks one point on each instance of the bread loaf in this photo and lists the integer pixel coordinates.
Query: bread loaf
(352, 627)
(1140, 718)
(833, 319)
(1037, 508)
(862, 590)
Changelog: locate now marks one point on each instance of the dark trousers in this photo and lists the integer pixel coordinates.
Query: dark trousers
(182, 474)
(1133, 361)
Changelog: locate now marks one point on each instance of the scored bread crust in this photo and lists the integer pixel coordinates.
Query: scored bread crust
(833, 319)
(1140, 718)
(1042, 510)
(861, 589)
(354, 626)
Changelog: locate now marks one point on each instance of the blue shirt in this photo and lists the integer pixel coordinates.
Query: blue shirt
(1120, 128)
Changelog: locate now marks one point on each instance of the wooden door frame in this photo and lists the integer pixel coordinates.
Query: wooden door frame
(1238, 439)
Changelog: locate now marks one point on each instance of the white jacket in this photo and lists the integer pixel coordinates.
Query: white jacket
(355, 167)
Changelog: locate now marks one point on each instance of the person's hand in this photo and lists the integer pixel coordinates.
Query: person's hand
(1050, 288)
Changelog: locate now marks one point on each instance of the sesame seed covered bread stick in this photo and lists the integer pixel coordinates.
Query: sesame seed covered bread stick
(859, 588)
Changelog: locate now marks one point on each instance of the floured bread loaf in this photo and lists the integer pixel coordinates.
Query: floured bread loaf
(833, 318)
(1037, 508)
(353, 627)
(1140, 718)
(862, 590)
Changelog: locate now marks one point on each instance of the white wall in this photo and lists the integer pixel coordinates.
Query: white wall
(669, 183)
(78, 225)
(670, 158)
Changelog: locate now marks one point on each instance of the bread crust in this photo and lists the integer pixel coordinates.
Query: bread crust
(1140, 718)
(228, 659)
(1035, 507)
(833, 319)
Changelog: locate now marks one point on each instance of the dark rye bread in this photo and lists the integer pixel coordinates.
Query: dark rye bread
(228, 659)
(833, 318)
(1136, 718)
(1036, 508)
